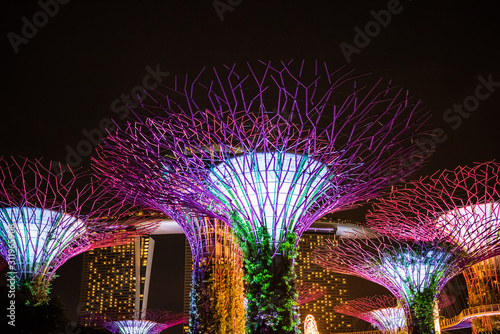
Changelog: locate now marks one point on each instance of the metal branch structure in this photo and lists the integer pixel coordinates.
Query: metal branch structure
(461, 204)
(483, 286)
(443, 224)
(272, 147)
(413, 271)
(151, 322)
(383, 312)
(46, 218)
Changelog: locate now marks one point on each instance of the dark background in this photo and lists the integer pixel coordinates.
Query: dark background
(64, 79)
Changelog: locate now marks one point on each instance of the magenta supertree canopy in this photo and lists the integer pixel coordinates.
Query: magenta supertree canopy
(383, 312)
(272, 148)
(46, 218)
(148, 322)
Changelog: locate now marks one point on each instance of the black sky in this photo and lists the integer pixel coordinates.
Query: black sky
(65, 78)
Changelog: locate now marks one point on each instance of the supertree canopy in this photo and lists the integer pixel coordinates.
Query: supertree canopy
(443, 224)
(383, 312)
(483, 286)
(273, 148)
(45, 219)
(149, 322)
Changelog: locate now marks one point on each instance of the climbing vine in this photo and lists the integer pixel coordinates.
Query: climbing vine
(270, 281)
(217, 298)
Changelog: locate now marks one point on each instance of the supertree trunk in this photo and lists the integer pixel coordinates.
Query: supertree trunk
(217, 304)
(422, 313)
(272, 305)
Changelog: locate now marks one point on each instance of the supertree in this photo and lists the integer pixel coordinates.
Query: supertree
(217, 294)
(273, 150)
(46, 218)
(148, 322)
(382, 311)
(442, 224)
(483, 286)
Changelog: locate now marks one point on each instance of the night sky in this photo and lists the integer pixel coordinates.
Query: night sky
(60, 80)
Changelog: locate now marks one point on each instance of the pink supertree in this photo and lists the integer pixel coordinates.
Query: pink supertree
(433, 229)
(146, 322)
(46, 218)
(383, 312)
(271, 148)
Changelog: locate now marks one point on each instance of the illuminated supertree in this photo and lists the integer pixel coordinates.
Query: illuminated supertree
(149, 322)
(45, 219)
(273, 149)
(443, 224)
(483, 285)
(217, 294)
(382, 312)
(460, 205)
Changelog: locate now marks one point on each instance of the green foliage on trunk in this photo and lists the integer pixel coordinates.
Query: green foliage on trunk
(270, 281)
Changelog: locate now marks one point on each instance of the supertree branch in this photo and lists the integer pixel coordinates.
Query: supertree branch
(147, 322)
(462, 204)
(414, 271)
(383, 312)
(278, 160)
(46, 218)
(308, 293)
(271, 148)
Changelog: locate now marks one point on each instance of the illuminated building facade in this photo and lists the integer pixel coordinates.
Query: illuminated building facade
(116, 280)
(337, 291)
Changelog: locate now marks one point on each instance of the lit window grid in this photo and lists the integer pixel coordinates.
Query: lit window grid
(335, 284)
(109, 282)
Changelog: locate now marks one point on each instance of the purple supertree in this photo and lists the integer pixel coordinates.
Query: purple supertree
(383, 312)
(443, 224)
(148, 322)
(45, 219)
(217, 261)
(273, 149)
